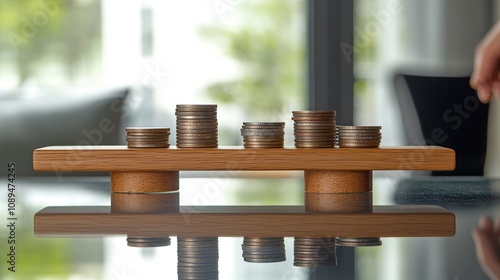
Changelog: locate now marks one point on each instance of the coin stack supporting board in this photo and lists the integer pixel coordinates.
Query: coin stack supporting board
(263, 134)
(197, 126)
(314, 129)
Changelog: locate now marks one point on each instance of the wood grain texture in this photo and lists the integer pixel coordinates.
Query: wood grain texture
(121, 158)
(267, 221)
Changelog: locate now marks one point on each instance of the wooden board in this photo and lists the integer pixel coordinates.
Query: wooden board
(121, 158)
(258, 221)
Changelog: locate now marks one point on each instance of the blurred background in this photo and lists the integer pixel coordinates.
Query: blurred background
(65, 65)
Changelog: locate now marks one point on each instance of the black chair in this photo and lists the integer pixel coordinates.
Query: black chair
(445, 111)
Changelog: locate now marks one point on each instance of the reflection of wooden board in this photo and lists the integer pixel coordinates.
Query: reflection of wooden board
(121, 158)
(262, 221)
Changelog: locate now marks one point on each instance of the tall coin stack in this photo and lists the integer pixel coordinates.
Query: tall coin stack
(197, 258)
(147, 137)
(263, 134)
(263, 250)
(197, 126)
(359, 136)
(314, 252)
(314, 129)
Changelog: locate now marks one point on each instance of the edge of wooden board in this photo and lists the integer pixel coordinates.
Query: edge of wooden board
(121, 158)
(276, 221)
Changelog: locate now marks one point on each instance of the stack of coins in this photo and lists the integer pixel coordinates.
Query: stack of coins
(196, 126)
(314, 129)
(263, 250)
(314, 252)
(197, 258)
(359, 136)
(263, 134)
(148, 137)
(358, 241)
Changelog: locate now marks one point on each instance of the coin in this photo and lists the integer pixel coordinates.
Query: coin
(346, 127)
(263, 124)
(148, 130)
(197, 113)
(196, 107)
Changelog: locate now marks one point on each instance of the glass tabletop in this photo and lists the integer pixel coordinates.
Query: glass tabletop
(109, 257)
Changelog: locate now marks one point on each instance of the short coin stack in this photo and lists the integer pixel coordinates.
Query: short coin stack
(197, 258)
(263, 250)
(359, 136)
(358, 241)
(314, 129)
(314, 252)
(263, 134)
(197, 126)
(147, 137)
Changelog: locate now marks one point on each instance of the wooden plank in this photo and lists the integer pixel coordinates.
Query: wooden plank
(121, 158)
(267, 221)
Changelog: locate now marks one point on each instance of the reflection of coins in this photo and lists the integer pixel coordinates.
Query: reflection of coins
(263, 250)
(263, 134)
(314, 252)
(148, 242)
(358, 242)
(314, 129)
(147, 137)
(196, 126)
(358, 136)
(197, 258)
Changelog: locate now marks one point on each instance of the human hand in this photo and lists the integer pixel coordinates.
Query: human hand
(486, 238)
(486, 75)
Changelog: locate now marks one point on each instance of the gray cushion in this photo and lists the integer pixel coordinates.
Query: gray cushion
(27, 124)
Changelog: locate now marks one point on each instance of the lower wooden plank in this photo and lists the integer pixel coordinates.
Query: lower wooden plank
(226, 221)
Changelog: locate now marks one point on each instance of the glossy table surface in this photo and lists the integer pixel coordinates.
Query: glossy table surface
(110, 257)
